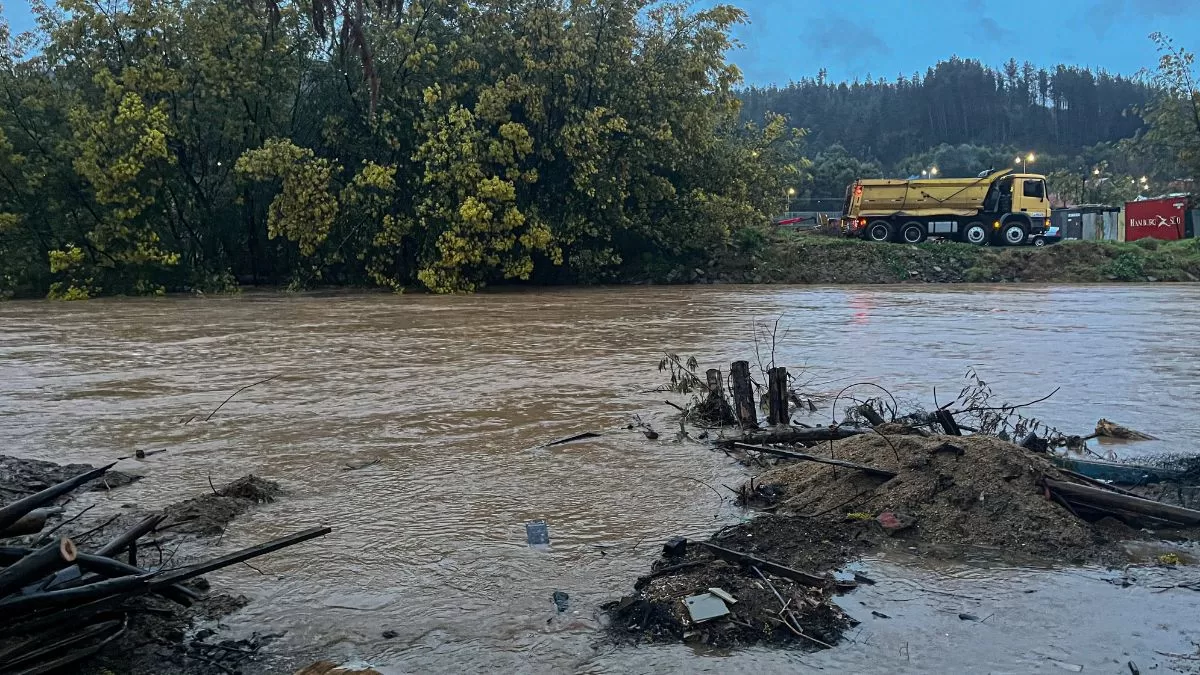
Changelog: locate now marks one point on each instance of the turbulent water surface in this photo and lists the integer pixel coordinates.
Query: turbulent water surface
(448, 401)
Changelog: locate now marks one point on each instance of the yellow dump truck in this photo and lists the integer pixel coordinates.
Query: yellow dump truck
(1000, 207)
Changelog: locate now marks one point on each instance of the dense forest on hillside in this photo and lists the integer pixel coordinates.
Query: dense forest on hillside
(959, 101)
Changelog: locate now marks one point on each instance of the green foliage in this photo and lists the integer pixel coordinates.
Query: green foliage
(1173, 117)
(963, 160)
(834, 169)
(1127, 266)
(148, 147)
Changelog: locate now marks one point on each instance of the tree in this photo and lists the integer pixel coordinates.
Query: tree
(1173, 117)
(834, 169)
(187, 144)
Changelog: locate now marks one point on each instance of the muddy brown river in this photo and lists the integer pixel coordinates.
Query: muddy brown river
(455, 395)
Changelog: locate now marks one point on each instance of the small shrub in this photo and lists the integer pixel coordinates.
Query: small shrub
(1148, 244)
(749, 239)
(1125, 267)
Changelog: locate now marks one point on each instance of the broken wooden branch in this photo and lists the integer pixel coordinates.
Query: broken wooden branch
(111, 569)
(13, 512)
(253, 384)
(870, 414)
(1107, 499)
(1114, 430)
(576, 437)
(871, 470)
(772, 567)
(122, 541)
(191, 571)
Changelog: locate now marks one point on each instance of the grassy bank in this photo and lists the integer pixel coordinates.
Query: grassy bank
(803, 258)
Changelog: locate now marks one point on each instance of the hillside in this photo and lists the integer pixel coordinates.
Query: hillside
(1059, 110)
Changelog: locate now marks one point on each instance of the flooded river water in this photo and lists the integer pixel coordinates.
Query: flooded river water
(454, 395)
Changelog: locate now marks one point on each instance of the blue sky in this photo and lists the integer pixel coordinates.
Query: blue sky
(787, 40)
(790, 39)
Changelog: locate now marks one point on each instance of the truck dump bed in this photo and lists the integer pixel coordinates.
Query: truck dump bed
(925, 197)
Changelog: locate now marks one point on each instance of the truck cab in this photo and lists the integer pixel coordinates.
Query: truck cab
(1018, 197)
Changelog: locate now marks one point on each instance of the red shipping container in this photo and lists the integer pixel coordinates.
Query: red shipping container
(1163, 218)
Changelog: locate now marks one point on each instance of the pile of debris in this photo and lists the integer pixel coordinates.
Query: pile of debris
(708, 593)
(63, 604)
(913, 481)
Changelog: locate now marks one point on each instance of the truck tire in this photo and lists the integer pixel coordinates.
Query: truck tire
(976, 233)
(879, 230)
(913, 232)
(1015, 233)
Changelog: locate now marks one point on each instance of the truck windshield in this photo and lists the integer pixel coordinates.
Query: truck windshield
(1035, 189)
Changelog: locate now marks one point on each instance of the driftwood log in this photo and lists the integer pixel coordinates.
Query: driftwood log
(1113, 430)
(124, 586)
(1087, 495)
(815, 435)
(870, 470)
(30, 523)
(43, 561)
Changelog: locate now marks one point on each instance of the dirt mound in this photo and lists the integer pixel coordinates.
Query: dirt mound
(955, 492)
(209, 514)
(657, 612)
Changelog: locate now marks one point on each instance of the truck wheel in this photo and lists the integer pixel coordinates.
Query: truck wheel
(880, 231)
(1014, 234)
(913, 233)
(976, 233)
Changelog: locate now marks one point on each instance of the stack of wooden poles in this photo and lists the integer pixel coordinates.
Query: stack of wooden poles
(61, 605)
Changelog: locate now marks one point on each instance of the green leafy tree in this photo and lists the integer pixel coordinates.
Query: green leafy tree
(834, 168)
(1173, 117)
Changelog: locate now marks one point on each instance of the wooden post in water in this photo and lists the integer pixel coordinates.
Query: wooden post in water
(714, 382)
(777, 403)
(743, 395)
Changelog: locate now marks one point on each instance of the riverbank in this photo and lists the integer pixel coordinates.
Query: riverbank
(789, 257)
